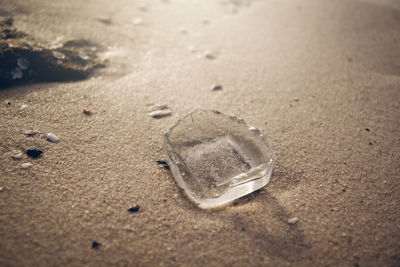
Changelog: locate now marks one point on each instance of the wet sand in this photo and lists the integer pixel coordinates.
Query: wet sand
(319, 78)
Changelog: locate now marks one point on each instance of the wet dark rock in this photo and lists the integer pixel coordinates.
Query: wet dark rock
(23, 60)
(34, 153)
(163, 164)
(95, 245)
(134, 209)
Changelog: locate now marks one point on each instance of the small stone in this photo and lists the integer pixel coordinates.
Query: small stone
(95, 245)
(160, 113)
(127, 228)
(192, 49)
(86, 111)
(23, 64)
(134, 209)
(216, 87)
(52, 138)
(142, 6)
(137, 21)
(34, 153)
(31, 133)
(26, 165)
(367, 129)
(17, 155)
(105, 20)
(1, 188)
(208, 54)
(158, 107)
(292, 220)
(23, 107)
(182, 30)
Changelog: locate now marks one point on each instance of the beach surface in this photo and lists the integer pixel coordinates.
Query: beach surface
(319, 78)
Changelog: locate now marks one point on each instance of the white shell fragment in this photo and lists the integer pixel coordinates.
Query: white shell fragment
(158, 107)
(137, 21)
(23, 107)
(16, 155)
(16, 73)
(1, 188)
(182, 29)
(26, 165)
(160, 113)
(23, 64)
(58, 55)
(292, 220)
(52, 138)
(83, 55)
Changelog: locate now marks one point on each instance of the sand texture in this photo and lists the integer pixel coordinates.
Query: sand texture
(319, 78)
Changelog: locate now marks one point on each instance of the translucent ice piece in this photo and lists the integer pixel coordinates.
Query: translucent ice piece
(217, 158)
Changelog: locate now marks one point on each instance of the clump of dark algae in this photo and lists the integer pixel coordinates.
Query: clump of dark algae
(22, 59)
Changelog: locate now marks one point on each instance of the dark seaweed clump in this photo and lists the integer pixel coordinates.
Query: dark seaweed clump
(22, 59)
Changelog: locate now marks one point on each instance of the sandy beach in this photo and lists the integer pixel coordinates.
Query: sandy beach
(319, 78)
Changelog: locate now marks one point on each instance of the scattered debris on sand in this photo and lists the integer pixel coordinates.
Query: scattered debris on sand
(23, 59)
(34, 153)
(292, 220)
(86, 111)
(216, 87)
(26, 165)
(52, 138)
(134, 209)
(163, 164)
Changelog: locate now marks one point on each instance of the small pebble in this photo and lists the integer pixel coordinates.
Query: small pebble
(216, 87)
(192, 49)
(95, 245)
(83, 55)
(1, 188)
(26, 165)
(17, 155)
(34, 153)
(208, 54)
(292, 220)
(158, 107)
(86, 111)
(137, 21)
(134, 209)
(23, 107)
(31, 133)
(182, 29)
(160, 113)
(52, 138)
(127, 228)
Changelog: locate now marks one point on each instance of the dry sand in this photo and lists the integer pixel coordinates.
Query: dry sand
(312, 75)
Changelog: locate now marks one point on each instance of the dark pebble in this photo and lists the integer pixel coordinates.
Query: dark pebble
(367, 129)
(344, 190)
(96, 245)
(34, 153)
(163, 164)
(134, 209)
